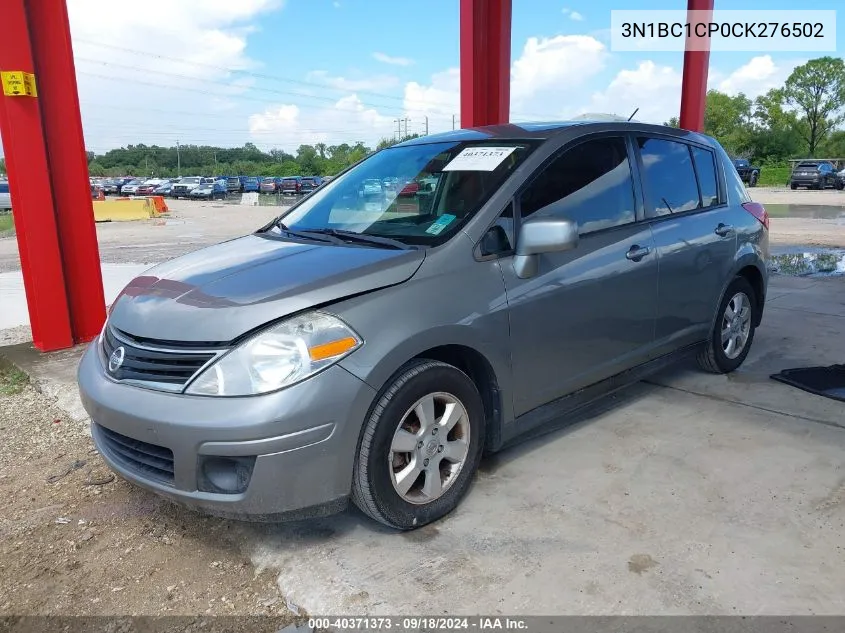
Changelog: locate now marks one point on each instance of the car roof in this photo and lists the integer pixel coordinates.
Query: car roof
(545, 130)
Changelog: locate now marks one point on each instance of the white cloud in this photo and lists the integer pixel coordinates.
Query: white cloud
(394, 61)
(655, 90)
(578, 17)
(544, 75)
(347, 121)
(336, 4)
(134, 59)
(755, 78)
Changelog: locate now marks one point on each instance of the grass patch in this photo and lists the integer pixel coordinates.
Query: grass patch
(7, 222)
(774, 176)
(12, 379)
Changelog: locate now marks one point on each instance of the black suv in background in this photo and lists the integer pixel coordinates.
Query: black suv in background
(748, 172)
(814, 174)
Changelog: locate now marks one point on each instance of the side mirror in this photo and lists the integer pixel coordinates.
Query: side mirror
(542, 235)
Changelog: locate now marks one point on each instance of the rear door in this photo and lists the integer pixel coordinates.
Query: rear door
(588, 313)
(694, 234)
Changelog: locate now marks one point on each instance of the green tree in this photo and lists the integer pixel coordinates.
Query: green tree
(96, 169)
(728, 119)
(2, 165)
(817, 91)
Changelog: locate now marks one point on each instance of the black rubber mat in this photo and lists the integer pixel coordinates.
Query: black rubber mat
(822, 381)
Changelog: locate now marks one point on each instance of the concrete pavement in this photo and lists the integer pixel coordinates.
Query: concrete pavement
(689, 494)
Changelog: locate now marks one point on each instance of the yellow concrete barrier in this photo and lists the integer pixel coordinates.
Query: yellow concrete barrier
(123, 210)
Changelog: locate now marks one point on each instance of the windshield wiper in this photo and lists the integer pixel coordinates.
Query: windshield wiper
(352, 236)
(331, 239)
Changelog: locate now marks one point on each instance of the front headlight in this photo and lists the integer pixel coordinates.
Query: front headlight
(277, 357)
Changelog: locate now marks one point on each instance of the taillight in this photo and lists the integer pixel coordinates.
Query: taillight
(758, 211)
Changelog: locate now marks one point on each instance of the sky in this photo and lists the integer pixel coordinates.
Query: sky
(279, 73)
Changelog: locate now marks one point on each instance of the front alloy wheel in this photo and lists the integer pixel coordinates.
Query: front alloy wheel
(429, 448)
(420, 446)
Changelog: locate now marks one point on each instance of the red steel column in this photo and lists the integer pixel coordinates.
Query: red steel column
(56, 74)
(485, 62)
(696, 63)
(25, 149)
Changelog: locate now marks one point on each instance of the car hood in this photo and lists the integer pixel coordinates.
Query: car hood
(218, 293)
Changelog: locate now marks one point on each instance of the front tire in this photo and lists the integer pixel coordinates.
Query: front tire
(752, 182)
(420, 447)
(733, 331)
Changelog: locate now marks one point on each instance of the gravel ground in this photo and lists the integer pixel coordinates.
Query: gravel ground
(74, 540)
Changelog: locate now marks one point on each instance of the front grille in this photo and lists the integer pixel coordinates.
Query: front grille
(168, 367)
(148, 460)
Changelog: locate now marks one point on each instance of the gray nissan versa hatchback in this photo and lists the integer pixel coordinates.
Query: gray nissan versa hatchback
(374, 341)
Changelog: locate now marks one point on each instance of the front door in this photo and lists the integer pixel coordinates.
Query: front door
(588, 313)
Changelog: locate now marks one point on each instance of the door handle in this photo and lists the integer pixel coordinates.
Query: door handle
(723, 230)
(636, 253)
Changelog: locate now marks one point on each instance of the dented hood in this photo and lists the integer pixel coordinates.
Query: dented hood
(218, 293)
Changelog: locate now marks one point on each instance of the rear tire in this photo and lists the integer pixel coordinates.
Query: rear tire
(733, 330)
(752, 182)
(420, 447)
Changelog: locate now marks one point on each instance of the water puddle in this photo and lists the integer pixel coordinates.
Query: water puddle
(808, 211)
(808, 262)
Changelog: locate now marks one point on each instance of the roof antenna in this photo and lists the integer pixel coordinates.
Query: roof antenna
(635, 112)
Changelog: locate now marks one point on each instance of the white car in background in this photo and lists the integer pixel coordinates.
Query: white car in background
(5, 196)
(131, 188)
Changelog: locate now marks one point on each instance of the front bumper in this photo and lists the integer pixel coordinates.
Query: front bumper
(303, 440)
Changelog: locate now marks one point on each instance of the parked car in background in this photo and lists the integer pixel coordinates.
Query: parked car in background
(840, 179)
(215, 190)
(164, 189)
(131, 187)
(5, 196)
(251, 185)
(371, 187)
(149, 186)
(316, 360)
(813, 174)
(270, 184)
(234, 184)
(748, 172)
(310, 183)
(185, 186)
(291, 185)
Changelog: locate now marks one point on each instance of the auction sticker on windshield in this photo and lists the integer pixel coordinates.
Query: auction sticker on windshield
(441, 223)
(479, 159)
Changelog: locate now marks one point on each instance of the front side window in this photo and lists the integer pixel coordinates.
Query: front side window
(416, 194)
(668, 176)
(590, 184)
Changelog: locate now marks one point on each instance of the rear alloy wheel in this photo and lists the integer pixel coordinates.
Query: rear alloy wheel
(420, 447)
(733, 331)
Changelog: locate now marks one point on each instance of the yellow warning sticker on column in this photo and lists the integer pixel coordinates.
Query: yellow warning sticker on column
(17, 83)
(29, 85)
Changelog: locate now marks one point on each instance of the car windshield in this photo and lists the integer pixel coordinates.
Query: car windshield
(189, 181)
(440, 187)
(808, 166)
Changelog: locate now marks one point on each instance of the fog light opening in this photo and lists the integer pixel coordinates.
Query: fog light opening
(225, 475)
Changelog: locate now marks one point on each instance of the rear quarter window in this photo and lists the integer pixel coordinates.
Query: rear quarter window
(705, 169)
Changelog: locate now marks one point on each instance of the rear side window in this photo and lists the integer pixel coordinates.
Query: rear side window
(705, 168)
(590, 184)
(668, 176)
